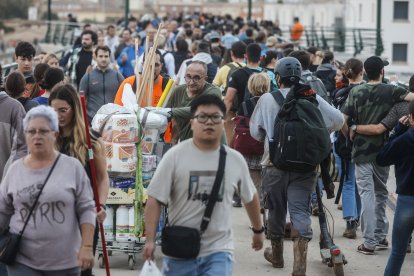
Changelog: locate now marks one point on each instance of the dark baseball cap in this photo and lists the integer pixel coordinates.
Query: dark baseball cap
(374, 64)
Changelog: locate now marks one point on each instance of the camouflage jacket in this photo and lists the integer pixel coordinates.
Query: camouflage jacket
(369, 104)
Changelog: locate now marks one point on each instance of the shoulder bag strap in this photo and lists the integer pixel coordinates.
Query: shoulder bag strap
(216, 187)
(38, 195)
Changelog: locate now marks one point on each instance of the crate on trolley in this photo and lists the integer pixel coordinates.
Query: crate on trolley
(132, 156)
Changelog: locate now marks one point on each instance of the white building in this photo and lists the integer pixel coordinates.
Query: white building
(397, 23)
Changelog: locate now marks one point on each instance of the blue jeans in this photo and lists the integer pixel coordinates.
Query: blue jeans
(314, 199)
(3, 270)
(351, 202)
(215, 264)
(401, 233)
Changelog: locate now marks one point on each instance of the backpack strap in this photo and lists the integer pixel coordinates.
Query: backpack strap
(165, 80)
(277, 95)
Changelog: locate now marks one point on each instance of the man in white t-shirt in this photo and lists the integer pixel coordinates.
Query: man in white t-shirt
(184, 179)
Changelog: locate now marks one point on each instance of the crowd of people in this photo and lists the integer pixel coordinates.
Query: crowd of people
(225, 71)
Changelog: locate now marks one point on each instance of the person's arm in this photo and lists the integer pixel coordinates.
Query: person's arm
(152, 217)
(253, 211)
(256, 124)
(228, 99)
(370, 129)
(102, 178)
(85, 255)
(333, 118)
(18, 141)
(170, 64)
(6, 205)
(83, 85)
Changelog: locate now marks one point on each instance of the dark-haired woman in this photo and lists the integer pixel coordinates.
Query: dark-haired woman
(15, 87)
(52, 77)
(351, 203)
(72, 141)
(182, 53)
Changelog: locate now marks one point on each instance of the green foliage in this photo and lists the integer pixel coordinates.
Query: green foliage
(54, 16)
(6, 28)
(14, 8)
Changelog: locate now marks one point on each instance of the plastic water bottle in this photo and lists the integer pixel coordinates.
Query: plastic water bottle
(108, 224)
(122, 223)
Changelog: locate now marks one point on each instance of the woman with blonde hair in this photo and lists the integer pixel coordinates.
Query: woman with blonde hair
(258, 84)
(51, 60)
(72, 141)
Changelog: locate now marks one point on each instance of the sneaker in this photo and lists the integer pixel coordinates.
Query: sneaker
(362, 249)
(382, 244)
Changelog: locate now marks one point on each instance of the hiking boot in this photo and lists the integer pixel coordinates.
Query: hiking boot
(382, 245)
(362, 249)
(350, 231)
(274, 254)
(300, 251)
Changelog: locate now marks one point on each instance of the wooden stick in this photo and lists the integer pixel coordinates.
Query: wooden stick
(151, 53)
(136, 67)
(151, 81)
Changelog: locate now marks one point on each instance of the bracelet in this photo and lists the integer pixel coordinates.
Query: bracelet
(103, 206)
(261, 230)
(87, 246)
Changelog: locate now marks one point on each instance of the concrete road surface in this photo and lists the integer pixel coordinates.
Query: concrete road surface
(249, 262)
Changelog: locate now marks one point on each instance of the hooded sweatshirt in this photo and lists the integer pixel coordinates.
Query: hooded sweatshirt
(12, 142)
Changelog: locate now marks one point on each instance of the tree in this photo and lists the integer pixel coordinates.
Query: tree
(14, 8)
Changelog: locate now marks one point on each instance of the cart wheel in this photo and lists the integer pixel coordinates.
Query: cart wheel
(339, 269)
(131, 262)
(101, 261)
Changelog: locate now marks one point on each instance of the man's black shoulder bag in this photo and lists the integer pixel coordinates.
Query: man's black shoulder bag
(184, 242)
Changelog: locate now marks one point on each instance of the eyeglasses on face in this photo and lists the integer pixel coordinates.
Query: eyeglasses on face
(203, 118)
(42, 132)
(195, 78)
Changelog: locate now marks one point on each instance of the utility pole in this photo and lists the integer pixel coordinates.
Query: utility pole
(379, 48)
(49, 18)
(126, 16)
(249, 10)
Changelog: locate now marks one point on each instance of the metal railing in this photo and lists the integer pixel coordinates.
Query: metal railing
(354, 41)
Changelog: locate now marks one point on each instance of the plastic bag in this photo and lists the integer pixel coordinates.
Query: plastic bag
(150, 269)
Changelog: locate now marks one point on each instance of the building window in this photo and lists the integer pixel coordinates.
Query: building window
(400, 10)
(399, 52)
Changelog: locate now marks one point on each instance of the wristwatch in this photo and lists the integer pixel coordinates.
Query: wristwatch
(261, 230)
(353, 127)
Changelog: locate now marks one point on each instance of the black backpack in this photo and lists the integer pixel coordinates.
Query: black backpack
(249, 101)
(318, 86)
(233, 68)
(301, 140)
